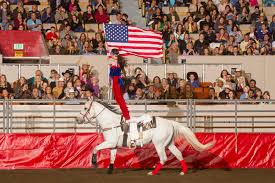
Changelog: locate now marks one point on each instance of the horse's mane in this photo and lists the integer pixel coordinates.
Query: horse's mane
(109, 107)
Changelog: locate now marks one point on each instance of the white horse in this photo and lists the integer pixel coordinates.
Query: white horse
(162, 136)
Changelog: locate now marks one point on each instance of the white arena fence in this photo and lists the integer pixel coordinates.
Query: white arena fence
(46, 116)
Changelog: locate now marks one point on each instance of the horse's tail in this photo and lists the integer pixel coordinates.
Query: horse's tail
(191, 138)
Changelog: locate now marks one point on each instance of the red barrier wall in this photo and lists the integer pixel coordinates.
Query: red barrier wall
(30, 151)
(32, 40)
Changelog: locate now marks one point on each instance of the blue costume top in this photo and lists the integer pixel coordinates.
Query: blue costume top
(116, 71)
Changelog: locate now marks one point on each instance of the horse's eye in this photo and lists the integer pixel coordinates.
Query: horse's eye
(85, 108)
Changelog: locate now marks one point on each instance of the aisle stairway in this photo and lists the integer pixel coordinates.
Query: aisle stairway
(131, 8)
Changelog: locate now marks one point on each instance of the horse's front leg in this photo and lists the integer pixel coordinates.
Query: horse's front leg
(103, 145)
(112, 161)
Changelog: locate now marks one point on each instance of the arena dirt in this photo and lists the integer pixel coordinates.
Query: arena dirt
(137, 176)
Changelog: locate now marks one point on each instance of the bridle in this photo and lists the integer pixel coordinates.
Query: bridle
(88, 112)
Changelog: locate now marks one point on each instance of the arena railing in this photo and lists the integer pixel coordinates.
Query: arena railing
(53, 116)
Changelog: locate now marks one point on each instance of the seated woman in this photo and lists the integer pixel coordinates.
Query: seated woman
(157, 82)
(76, 24)
(4, 84)
(181, 86)
(188, 93)
(193, 79)
(5, 94)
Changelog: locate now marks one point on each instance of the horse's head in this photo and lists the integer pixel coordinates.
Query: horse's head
(87, 113)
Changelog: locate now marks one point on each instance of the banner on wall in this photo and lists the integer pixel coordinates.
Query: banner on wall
(30, 151)
(22, 44)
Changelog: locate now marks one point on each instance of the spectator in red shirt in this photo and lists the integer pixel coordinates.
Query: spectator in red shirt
(101, 15)
(72, 4)
(19, 21)
(51, 35)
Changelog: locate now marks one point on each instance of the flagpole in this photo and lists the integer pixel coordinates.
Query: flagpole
(108, 69)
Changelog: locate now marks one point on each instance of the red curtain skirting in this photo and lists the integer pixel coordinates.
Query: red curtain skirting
(30, 151)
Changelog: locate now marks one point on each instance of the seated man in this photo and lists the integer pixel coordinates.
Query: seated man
(34, 24)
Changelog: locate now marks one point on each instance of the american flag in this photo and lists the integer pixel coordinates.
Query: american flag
(131, 40)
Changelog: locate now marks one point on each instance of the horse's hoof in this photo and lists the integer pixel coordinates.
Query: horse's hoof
(110, 171)
(182, 173)
(94, 160)
(150, 173)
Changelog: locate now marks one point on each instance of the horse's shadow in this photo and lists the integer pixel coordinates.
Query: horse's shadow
(146, 158)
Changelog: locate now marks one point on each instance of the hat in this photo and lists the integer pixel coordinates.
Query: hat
(221, 79)
(71, 90)
(67, 72)
(60, 80)
(238, 70)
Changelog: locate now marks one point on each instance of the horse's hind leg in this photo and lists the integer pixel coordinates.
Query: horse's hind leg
(162, 157)
(176, 152)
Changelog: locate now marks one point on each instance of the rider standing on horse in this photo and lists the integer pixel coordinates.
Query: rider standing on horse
(115, 75)
(116, 67)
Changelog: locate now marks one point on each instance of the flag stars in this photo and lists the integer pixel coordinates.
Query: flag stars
(116, 33)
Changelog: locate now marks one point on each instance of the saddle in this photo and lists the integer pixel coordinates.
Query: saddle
(143, 123)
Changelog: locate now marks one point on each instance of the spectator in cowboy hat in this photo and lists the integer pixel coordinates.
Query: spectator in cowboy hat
(71, 97)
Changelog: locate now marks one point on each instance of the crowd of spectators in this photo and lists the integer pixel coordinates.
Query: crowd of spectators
(227, 86)
(137, 86)
(218, 25)
(71, 18)
(216, 22)
(66, 85)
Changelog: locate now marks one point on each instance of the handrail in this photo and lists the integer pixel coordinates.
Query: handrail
(143, 101)
(62, 116)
